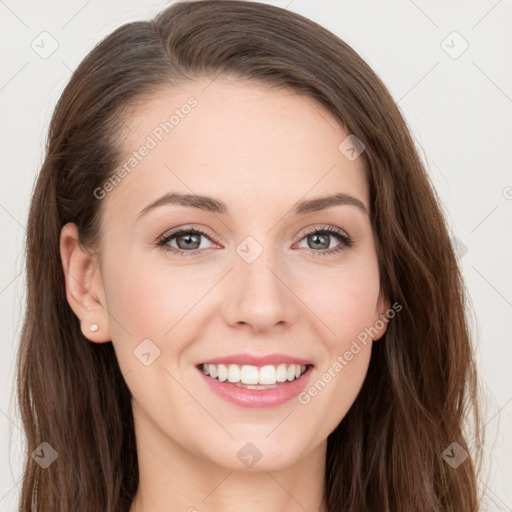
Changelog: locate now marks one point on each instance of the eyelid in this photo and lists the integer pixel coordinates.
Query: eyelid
(323, 227)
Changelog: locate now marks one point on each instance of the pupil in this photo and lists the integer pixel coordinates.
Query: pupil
(188, 238)
(324, 237)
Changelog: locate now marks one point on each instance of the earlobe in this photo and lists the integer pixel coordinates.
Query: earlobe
(84, 289)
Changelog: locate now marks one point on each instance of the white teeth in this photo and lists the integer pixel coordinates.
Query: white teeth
(267, 375)
(249, 374)
(222, 372)
(233, 373)
(281, 373)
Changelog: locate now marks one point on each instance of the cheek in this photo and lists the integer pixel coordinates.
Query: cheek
(334, 387)
(344, 302)
(150, 299)
(144, 303)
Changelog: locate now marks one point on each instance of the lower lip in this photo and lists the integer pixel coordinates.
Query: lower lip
(271, 397)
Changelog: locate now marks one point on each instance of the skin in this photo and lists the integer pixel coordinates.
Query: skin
(259, 150)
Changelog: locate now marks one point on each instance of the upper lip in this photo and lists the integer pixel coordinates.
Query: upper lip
(257, 360)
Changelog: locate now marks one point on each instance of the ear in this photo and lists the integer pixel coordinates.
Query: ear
(84, 287)
(381, 319)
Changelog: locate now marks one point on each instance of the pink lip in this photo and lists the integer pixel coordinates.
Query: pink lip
(256, 398)
(256, 360)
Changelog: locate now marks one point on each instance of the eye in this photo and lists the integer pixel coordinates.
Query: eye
(320, 237)
(188, 241)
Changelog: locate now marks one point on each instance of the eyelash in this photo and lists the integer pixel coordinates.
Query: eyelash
(347, 242)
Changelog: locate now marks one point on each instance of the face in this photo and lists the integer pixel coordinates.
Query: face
(249, 274)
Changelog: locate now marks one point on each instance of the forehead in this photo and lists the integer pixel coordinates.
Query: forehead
(248, 144)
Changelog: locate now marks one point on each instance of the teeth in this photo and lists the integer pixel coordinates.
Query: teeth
(222, 372)
(234, 373)
(267, 375)
(249, 374)
(281, 373)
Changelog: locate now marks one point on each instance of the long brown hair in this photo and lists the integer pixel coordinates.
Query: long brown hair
(386, 454)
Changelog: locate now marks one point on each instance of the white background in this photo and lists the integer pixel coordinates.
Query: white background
(459, 110)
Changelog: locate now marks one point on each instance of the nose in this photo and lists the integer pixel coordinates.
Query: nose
(259, 294)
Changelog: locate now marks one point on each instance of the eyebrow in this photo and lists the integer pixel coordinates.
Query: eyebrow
(212, 205)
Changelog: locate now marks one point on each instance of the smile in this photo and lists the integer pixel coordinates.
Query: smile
(252, 376)
(253, 386)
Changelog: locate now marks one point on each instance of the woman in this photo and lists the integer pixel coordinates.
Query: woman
(241, 288)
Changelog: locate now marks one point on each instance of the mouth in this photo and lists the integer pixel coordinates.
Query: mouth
(254, 377)
(255, 386)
